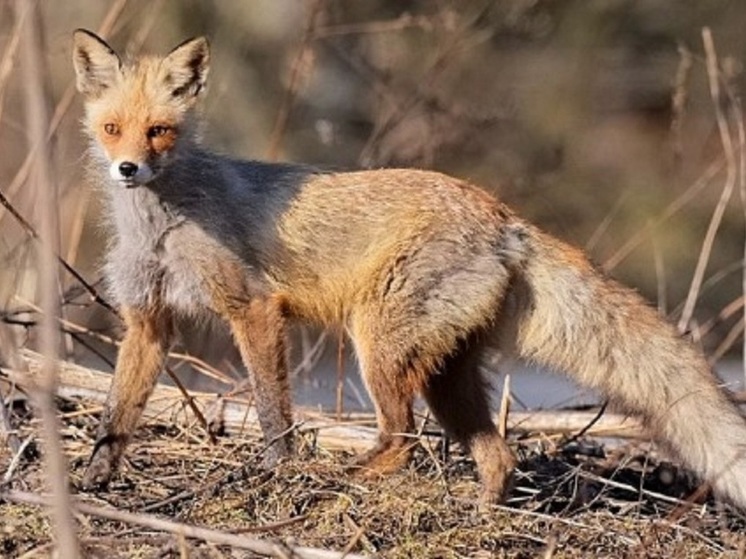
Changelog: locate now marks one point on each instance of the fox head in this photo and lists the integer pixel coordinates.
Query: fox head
(138, 113)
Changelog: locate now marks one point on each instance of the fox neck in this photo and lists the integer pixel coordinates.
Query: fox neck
(147, 210)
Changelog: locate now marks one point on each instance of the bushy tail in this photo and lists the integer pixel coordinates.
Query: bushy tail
(573, 320)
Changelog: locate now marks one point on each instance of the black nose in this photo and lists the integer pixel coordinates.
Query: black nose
(127, 169)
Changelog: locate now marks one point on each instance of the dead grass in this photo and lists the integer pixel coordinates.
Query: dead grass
(569, 500)
(576, 500)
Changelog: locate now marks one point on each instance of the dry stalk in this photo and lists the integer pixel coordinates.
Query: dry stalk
(602, 227)
(189, 399)
(660, 278)
(8, 357)
(296, 79)
(672, 209)
(7, 61)
(550, 548)
(358, 535)
(502, 423)
(725, 313)
(340, 374)
(17, 456)
(37, 120)
(311, 355)
(728, 342)
(7, 433)
(272, 526)
(678, 100)
(730, 181)
(404, 21)
(738, 118)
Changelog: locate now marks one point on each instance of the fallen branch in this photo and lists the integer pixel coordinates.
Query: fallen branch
(262, 547)
(355, 433)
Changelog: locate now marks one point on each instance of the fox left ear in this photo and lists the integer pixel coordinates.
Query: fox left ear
(185, 69)
(97, 66)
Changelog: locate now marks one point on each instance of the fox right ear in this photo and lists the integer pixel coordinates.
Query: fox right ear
(97, 66)
(184, 70)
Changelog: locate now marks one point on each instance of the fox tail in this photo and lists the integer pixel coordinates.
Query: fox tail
(571, 319)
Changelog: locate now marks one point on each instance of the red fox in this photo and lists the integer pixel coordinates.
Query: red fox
(425, 272)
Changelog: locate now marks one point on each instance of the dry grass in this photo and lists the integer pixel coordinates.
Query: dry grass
(570, 500)
(575, 500)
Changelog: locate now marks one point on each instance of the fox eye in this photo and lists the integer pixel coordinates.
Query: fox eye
(157, 130)
(111, 129)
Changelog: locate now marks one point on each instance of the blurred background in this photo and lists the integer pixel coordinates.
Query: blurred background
(592, 118)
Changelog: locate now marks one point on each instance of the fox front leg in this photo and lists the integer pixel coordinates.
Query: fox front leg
(140, 360)
(259, 331)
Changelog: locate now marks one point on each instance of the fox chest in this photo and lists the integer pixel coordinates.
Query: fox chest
(178, 272)
(148, 280)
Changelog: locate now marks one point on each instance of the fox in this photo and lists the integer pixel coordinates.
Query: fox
(427, 274)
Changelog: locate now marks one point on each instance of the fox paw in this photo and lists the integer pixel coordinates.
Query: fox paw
(381, 460)
(98, 474)
(277, 452)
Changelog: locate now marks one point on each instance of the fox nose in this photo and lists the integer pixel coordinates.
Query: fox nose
(127, 169)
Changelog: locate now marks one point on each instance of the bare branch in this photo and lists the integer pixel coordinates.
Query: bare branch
(37, 119)
(730, 181)
(262, 547)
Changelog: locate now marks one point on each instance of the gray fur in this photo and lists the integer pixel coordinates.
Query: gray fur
(203, 206)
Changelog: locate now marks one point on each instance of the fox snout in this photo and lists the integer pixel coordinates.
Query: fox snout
(137, 148)
(130, 173)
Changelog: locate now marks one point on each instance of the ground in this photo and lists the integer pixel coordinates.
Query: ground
(571, 499)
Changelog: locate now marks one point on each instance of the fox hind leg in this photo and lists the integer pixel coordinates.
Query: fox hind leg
(416, 319)
(392, 387)
(393, 397)
(458, 397)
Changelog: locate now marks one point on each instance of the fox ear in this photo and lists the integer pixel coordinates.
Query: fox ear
(97, 66)
(184, 70)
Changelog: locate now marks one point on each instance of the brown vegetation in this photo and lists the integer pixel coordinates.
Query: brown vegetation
(570, 500)
(180, 493)
(588, 118)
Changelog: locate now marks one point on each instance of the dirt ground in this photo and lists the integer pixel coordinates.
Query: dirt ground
(571, 499)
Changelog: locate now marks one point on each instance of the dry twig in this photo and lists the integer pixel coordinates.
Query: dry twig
(262, 547)
(296, 75)
(46, 190)
(730, 181)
